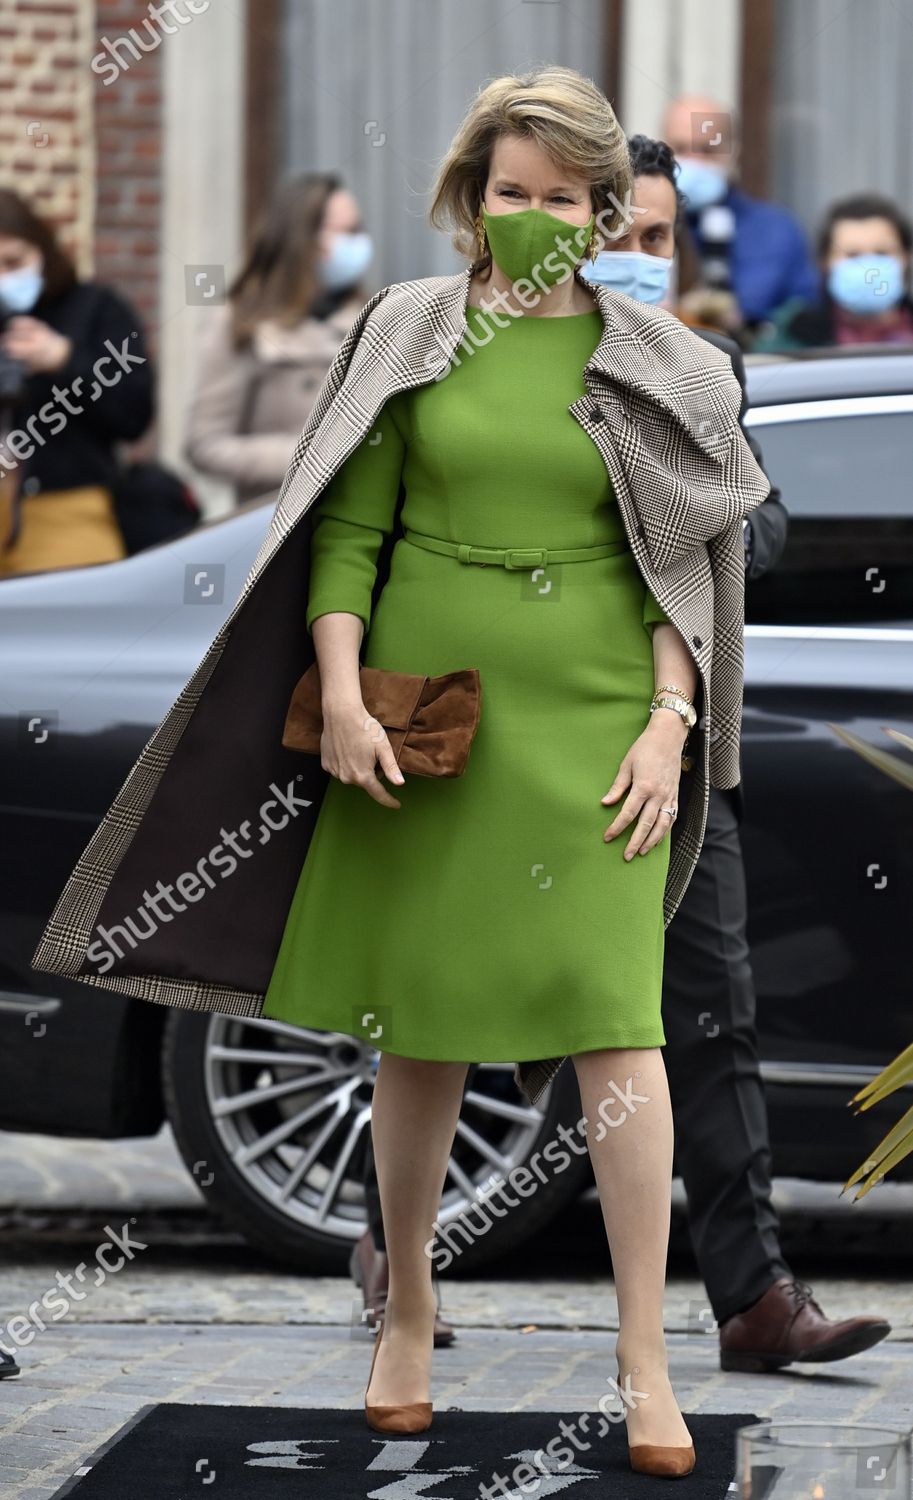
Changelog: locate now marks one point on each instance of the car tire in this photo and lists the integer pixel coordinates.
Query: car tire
(198, 1054)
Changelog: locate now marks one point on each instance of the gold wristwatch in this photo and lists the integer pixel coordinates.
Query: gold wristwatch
(678, 704)
(683, 706)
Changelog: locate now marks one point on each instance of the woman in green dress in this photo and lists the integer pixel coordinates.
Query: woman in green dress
(516, 911)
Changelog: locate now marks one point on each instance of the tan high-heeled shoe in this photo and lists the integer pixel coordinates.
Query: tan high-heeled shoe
(414, 1416)
(668, 1463)
(665, 1462)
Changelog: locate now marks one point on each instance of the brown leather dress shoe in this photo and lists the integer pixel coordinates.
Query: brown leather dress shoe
(787, 1325)
(368, 1266)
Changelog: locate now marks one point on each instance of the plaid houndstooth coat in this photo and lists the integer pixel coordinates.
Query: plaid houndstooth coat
(662, 407)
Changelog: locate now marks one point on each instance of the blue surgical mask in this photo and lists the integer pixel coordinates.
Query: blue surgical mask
(644, 277)
(702, 182)
(349, 257)
(867, 283)
(20, 289)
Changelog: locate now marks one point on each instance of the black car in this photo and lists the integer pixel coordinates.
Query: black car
(272, 1120)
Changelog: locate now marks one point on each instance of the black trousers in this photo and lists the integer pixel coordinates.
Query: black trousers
(722, 1146)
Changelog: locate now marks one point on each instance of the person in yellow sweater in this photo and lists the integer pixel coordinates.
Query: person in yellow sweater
(75, 382)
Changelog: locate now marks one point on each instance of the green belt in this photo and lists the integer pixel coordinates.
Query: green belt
(512, 557)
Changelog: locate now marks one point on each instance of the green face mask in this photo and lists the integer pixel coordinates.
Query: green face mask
(528, 240)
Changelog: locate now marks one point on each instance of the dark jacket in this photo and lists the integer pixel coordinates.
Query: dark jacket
(805, 325)
(770, 261)
(104, 392)
(768, 523)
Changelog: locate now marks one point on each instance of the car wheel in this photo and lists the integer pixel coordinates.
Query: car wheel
(273, 1122)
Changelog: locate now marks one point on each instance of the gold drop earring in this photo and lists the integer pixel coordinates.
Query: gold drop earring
(592, 244)
(481, 236)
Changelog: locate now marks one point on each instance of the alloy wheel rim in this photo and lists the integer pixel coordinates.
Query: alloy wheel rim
(292, 1109)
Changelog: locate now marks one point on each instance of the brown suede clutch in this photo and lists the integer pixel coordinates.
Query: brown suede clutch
(430, 721)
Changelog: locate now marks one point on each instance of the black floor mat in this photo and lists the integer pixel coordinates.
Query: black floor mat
(173, 1452)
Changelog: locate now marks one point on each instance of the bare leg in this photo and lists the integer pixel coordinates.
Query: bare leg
(414, 1116)
(630, 1141)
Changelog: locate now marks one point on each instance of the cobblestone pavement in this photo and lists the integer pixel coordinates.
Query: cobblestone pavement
(196, 1316)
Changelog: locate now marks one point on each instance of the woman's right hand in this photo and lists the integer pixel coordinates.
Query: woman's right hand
(352, 744)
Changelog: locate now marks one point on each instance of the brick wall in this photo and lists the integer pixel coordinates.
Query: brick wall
(85, 146)
(46, 146)
(128, 138)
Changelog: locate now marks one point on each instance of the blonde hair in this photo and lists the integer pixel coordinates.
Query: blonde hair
(562, 112)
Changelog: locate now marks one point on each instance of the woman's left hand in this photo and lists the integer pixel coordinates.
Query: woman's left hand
(39, 347)
(651, 769)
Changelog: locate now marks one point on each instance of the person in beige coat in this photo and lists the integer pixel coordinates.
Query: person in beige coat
(274, 338)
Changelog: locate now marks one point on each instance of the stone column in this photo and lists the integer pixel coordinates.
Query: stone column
(202, 189)
(671, 47)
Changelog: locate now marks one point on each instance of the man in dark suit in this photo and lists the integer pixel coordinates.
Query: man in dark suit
(766, 1317)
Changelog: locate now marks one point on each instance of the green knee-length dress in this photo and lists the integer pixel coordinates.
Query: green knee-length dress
(486, 919)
